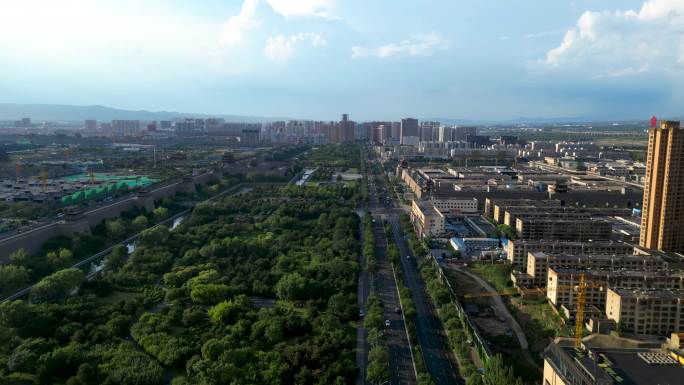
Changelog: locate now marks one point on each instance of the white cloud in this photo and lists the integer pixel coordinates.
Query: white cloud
(295, 8)
(417, 45)
(233, 32)
(281, 48)
(624, 43)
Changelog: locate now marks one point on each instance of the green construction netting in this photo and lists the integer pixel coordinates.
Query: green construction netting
(109, 184)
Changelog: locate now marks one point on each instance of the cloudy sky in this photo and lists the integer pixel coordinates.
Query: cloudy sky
(375, 59)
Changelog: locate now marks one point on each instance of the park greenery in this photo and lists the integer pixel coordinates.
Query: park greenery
(256, 288)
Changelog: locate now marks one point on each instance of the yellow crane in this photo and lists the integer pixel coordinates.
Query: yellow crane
(579, 315)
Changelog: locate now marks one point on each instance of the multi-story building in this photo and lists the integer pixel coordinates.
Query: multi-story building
(428, 221)
(496, 208)
(445, 134)
(90, 125)
(518, 249)
(563, 227)
(347, 128)
(462, 133)
(250, 137)
(647, 311)
(410, 135)
(429, 131)
(529, 212)
(126, 127)
(561, 287)
(662, 220)
(611, 361)
(538, 263)
(455, 206)
(474, 248)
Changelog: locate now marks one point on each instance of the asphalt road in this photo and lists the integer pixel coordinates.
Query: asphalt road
(401, 360)
(402, 368)
(437, 355)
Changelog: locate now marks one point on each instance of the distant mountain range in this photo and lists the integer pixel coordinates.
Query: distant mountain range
(68, 113)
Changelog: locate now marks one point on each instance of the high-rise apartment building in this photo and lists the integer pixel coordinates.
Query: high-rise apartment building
(346, 129)
(429, 131)
(90, 125)
(410, 135)
(126, 127)
(662, 224)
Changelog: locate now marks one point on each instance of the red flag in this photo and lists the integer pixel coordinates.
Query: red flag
(654, 121)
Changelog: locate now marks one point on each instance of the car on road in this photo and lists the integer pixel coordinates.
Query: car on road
(397, 310)
(408, 257)
(387, 323)
(361, 313)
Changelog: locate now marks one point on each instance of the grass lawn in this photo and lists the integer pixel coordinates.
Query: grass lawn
(498, 275)
(539, 322)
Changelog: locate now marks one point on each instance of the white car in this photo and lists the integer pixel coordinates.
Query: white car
(408, 257)
(387, 323)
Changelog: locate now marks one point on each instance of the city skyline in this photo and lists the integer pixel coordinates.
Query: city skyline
(313, 59)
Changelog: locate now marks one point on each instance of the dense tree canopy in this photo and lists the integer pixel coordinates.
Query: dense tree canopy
(254, 289)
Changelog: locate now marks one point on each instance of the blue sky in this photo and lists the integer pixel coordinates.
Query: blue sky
(375, 59)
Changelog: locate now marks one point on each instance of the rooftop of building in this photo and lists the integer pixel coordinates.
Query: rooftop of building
(597, 243)
(602, 273)
(541, 254)
(672, 294)
(612, 363)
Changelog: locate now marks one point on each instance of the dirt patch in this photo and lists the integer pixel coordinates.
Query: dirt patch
(491, 326)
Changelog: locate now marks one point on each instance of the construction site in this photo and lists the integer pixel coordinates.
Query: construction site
(72, 189)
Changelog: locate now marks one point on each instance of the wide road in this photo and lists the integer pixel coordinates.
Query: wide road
(401, 360)
(402, 367)
(437, 355)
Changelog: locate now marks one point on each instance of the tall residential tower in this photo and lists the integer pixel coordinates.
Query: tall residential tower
(662, 220)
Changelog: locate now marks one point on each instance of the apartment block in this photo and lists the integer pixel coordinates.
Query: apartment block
(538, 264)
(561, 287)
(647, 311)
(662, 223)
(518, 249)
(563, 227)
(455, 206)
(495, 208)
(427, 220)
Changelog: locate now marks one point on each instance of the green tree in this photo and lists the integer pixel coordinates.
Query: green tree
(139, 223)
(57, 286)
(115, 228)
(227, 312)
(25, 356)
(292, 286)
(378, 365)
(60, 259)
(160, 213)
(209, 293)
(13, 278)
(19, 257)
(154, 236)
(116, 258)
